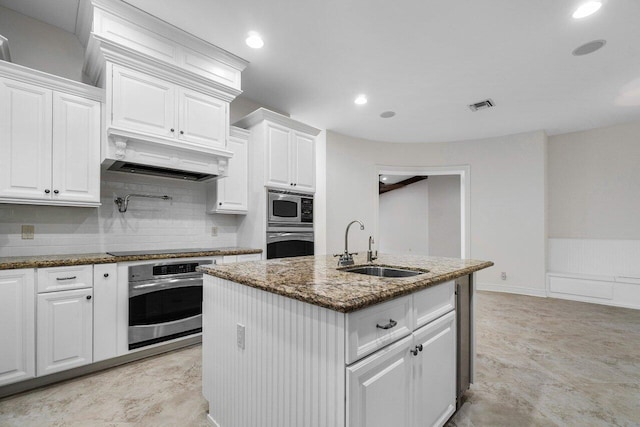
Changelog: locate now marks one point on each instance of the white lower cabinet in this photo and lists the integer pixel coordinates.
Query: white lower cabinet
(434, 388)
(105, 311)
(379, 388)
(65, 330)
(409, 383)
(17, 326)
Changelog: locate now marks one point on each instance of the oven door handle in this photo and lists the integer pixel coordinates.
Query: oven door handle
(162, 285)
(286, 236)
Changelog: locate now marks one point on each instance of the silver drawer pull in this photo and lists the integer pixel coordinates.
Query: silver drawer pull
(66, 278)
(389, 325)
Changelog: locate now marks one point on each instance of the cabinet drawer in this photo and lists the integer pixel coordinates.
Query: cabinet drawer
(376, 326)
(65, 278)
(433, 302)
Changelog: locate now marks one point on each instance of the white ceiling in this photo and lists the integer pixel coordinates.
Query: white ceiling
(426, 60)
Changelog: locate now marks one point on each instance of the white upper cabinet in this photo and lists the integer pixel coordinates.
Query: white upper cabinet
(49, 139)
(202, 119)
(147, 105)
(25, 141)
(230, 194)
(168, 92)
(76, 149)
(143, 103)
(303, 161)
(279, 159)
(288, 148)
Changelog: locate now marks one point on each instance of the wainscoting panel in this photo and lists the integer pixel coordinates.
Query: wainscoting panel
(289, 347)
(595, 270)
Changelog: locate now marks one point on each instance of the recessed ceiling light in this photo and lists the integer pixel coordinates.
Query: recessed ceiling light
(384, 178)
(387, 114)
(361, 99)
(586, 9)
(254, 40)
(588, 48)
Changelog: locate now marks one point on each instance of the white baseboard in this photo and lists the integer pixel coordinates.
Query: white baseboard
(511, 289)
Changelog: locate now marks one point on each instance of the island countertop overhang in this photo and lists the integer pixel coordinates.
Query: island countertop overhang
(319, 281)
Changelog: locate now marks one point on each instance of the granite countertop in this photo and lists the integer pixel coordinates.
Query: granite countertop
(318, 280)
(8, 263)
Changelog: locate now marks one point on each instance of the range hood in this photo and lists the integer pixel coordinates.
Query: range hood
(126, 151)
(139, 169)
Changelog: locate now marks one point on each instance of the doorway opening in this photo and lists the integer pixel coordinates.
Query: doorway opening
(423, 210)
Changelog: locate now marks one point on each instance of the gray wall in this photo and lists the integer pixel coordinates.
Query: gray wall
(403, 220)
(41, 46)
(444, 215)
(508, 207)
(594, 183)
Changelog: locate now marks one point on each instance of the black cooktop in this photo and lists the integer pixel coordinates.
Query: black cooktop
(161, 251)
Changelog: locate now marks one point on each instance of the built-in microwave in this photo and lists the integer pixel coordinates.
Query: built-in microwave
(287, 209)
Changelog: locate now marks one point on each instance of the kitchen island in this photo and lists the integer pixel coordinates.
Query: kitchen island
(300, 342)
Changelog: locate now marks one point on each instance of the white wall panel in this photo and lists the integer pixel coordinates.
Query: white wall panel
(290, 347)
(598, 257)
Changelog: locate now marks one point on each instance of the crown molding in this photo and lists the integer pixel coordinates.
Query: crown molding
(121, 55)
(239, 132)
(141, 19)
(262, 114)
(49, 81)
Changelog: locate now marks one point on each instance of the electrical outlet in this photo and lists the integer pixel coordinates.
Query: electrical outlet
(214, 231)
(240, 336)
(503, 275)
(28, 231)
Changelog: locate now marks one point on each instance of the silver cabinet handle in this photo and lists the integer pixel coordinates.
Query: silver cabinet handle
(66, 278)
(389, 325)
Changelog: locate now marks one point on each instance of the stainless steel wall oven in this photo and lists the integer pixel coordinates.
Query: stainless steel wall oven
(289, 224)
(165, 301)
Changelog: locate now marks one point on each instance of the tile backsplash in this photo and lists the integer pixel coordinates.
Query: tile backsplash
(147, 224)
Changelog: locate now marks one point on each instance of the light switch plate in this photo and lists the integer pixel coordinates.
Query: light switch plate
(214, 231)
(28, 232)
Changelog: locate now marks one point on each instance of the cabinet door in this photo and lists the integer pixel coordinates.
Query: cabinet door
(202, 119)
(142, 103)
(304, 162)
(25, 141)
(232, 190)
(76, 149)
(17, 326)
(65, 330)
(435, 376)
(379, 388)
(105, 311)
(278, 156)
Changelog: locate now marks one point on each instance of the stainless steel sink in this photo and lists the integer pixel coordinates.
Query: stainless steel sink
(379, 271)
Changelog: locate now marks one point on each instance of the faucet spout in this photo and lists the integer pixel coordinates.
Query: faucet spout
(346, 235)
(346, 258)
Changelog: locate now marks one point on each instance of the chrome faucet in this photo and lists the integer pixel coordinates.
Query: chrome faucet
(346, 258)
(370, 256)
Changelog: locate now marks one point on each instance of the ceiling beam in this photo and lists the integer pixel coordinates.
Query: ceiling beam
(385, 188)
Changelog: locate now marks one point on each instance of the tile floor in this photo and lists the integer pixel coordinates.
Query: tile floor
(541, 362)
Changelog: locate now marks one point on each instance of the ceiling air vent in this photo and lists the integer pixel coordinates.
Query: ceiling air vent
(487, 103)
